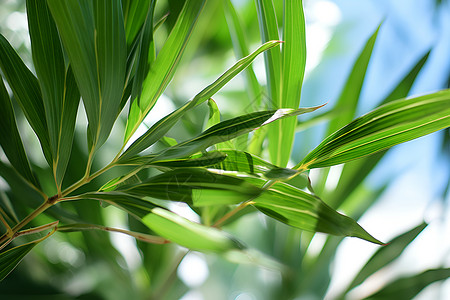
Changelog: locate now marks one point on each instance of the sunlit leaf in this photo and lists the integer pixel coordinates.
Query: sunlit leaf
(161, 127)
(164, 66)
(228, 130)
(391, 124)
(293, 61)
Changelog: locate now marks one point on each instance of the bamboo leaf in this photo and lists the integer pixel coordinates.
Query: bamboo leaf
(180, 184)
(134, 13)
(164, 66)
(355, 172)
(241, 49)
(408, 287)
(228, 130)
(348, 100)
(293, 55)
(244, 162)
(201, 160)
(391, 124)
(145, 54)
(189, 234)
(93, 35)
(11, 143)
(387, 254)
(160, 128)
(11, 258)
(25, 88)
(299, 209)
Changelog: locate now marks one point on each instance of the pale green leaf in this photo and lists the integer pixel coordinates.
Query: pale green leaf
(391, 124)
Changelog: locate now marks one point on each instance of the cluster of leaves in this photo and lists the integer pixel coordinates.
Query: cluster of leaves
(104, 53)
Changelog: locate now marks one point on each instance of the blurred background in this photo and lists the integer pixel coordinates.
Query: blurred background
(409, 185)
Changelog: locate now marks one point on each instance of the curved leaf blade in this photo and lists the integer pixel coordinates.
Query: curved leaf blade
(299, 209)
(164, 66)
(11, 143)
(228, 130)
(391, 124)
(408, 287)
(25, 88)
(11, 258)
(160, 128)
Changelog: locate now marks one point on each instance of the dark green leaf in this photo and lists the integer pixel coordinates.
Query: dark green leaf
(228, 130)
(11, 258)
(299, 209)
(189, 185)
(25, 88)
(93, 35)
(164, 66)
(11, 142)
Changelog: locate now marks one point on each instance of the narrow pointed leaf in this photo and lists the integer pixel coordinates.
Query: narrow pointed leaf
(160, 128)
(11, 143)
(391, 124)
(11, 258)
(387, 254)
(244, 162)
(355, 172)
(145, 54)
(93, 35)
(228, 130)
(293, 55)
(239, 40)
(408, 287)
(348, 99)
(189, 234)
(299, 209)
(25, 88)
(134, 13)
(180, 184)
(201, 160)
(164, 66)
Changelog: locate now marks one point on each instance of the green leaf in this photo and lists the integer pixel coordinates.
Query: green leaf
(59, 91)
(25, 88)
(244, 162)
(11, 258)
(238, 38)
(180, 184)
(348, 100)
(160, 128)
(93, 35)
(228, 130)
(145, 54)
(408, 287)
(201, 160)
(299, 209)
(269, 31)
(164, 66)
(11, 143)
(189, 234)
(134, 13)
(355, 172)
(387, 254)
(293, 55)
(391, 124)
